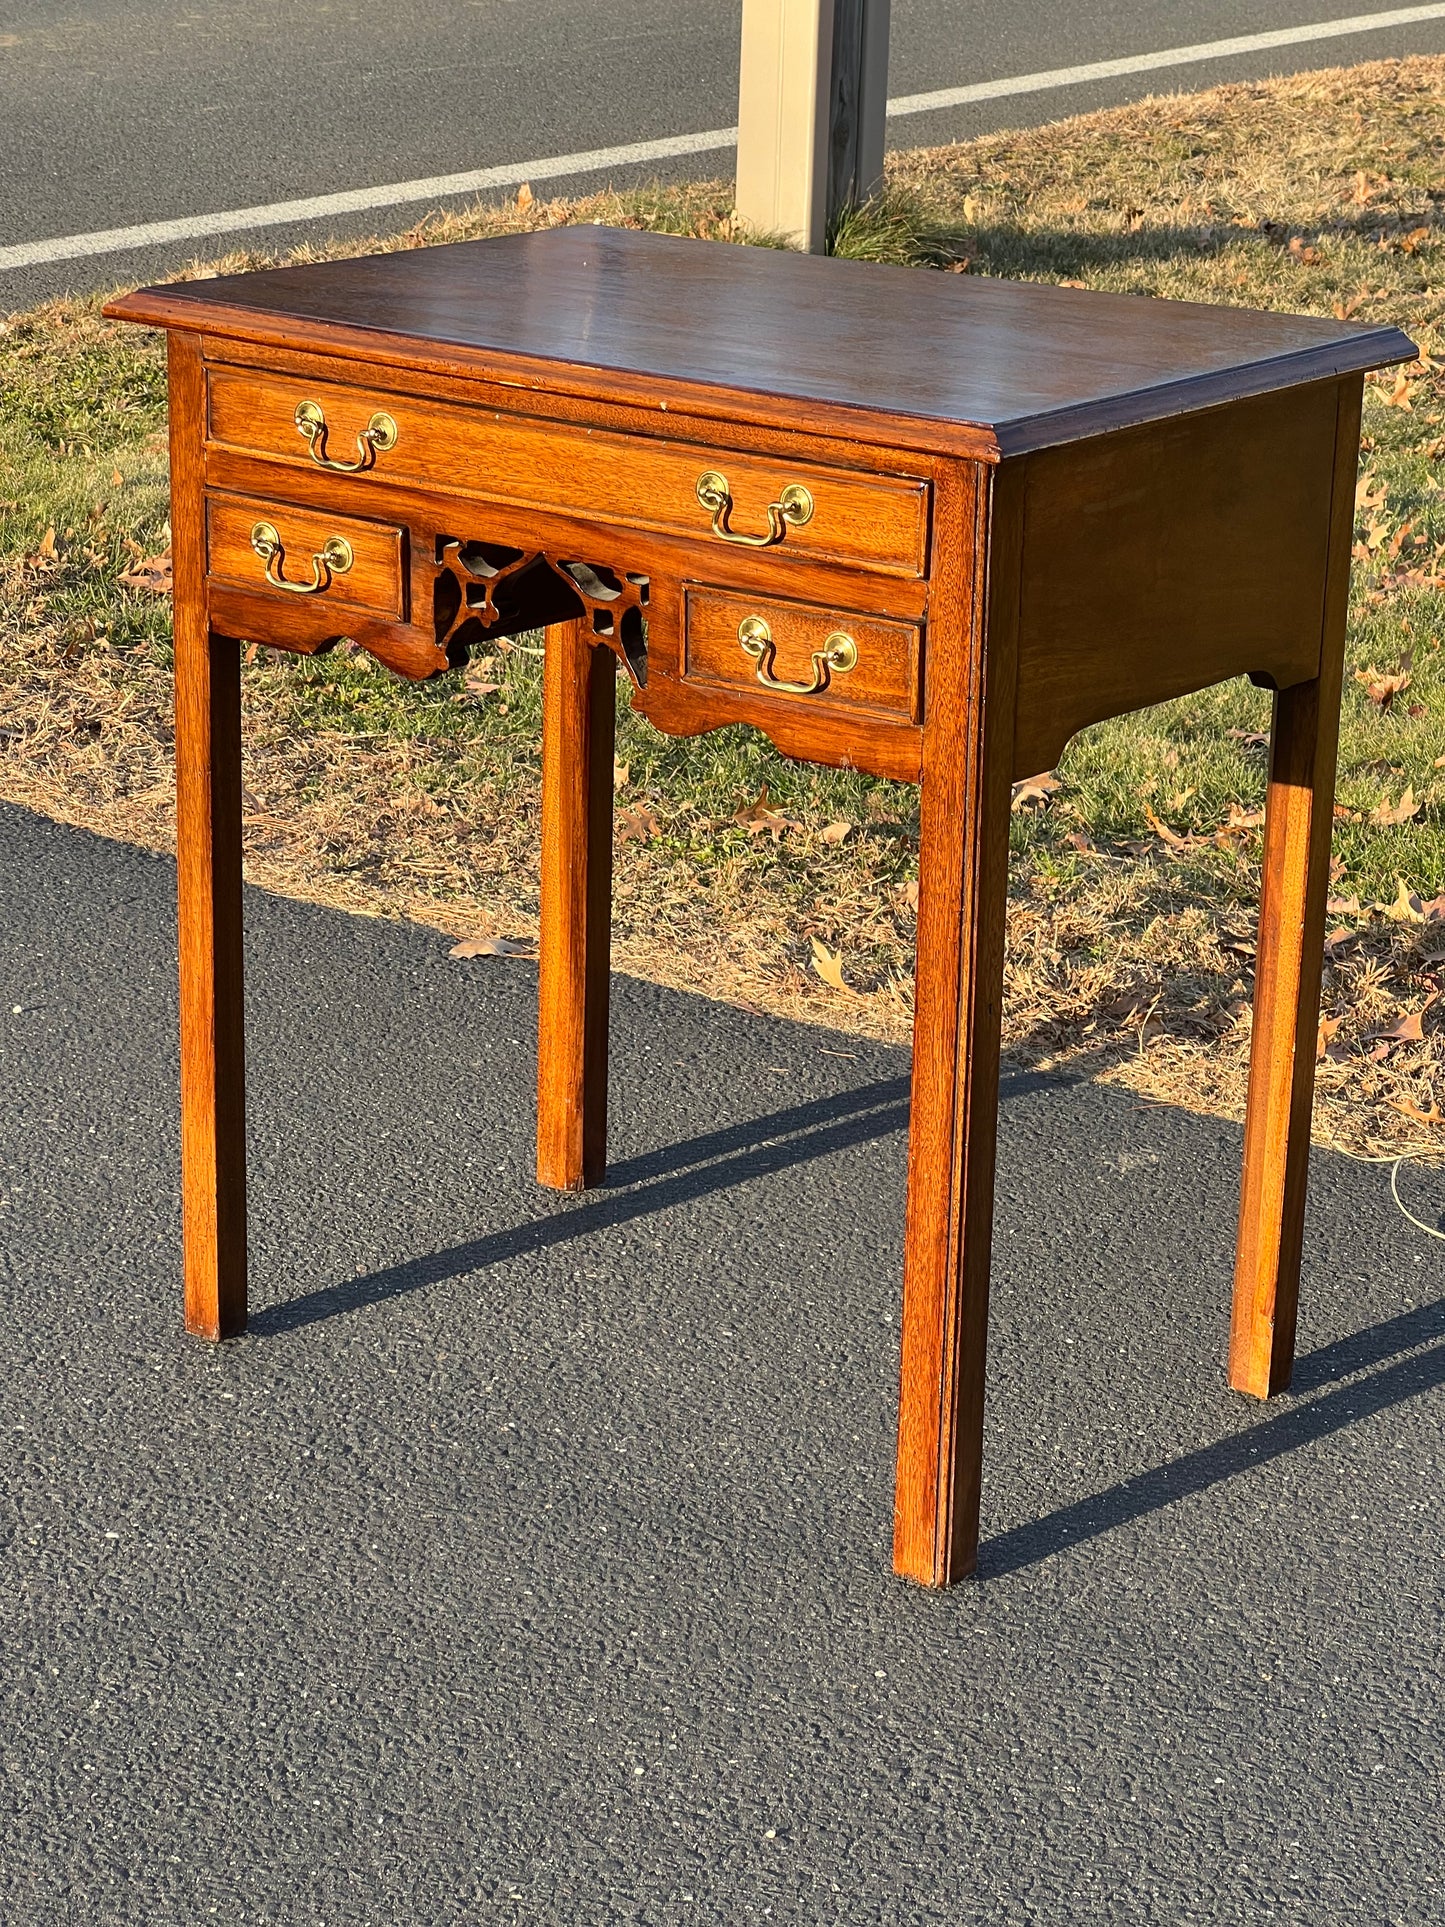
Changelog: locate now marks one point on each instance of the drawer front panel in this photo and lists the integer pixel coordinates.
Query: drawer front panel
(305, 554)
(802, 653)
(791, 506)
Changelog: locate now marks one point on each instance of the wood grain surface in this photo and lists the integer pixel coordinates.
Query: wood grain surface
(885, 679)
(1299, 814)
(208, 867)
(962, 892)
(765, 335)
(578, 709)
(1161, 559)
(643, 481)
(376, 580)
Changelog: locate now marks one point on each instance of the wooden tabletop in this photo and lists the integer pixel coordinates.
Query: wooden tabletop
(978, 366)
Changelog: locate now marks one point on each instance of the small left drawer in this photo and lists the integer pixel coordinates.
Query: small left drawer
(274, 548)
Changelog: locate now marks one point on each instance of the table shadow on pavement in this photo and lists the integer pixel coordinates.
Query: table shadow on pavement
(528, 1559)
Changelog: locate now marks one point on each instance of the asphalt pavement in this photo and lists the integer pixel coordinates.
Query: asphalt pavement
(528, 1560)
(118, 112)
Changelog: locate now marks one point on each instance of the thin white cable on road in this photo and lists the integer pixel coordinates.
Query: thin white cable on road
(319, 207)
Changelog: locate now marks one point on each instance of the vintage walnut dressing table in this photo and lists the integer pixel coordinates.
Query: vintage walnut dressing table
(927, 525)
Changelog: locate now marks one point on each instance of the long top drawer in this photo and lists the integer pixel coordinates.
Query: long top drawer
(791, 506)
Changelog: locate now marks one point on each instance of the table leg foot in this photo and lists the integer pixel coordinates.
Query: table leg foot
(579, 713)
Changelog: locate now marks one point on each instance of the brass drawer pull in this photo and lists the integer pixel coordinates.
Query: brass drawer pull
(837, 656)
(792, 509)
(334, 557)
(380, 433)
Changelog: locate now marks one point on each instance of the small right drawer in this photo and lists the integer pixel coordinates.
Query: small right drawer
(803, 653)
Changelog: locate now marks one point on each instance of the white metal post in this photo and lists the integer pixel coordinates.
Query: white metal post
(811, 109)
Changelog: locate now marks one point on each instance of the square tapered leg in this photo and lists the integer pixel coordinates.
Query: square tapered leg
(578, 722)
(208, 863)
(962, 901)
(1294, 889)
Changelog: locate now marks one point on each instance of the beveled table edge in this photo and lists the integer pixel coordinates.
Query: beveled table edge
(173, 307)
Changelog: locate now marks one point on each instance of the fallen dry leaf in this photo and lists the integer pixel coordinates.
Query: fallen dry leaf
(153, 576)
(1034, 792)
(1406, 908)
(44, 557)
(1399, 395)
(837, 833)
(1432, 1116)
(525, 196)
(1383, 688)
(637, 825)
(829, 966)
(621, 774)
(1124, 1008)
(1409, 1029)
(1385, 813)
(1376, 536)
(1328, 1027)
(909, 894)
(1250, 738)
(1171, 837)
(1240, 821)
(760, 819)
(1370, 493)
(495, 947)
(1343, 906)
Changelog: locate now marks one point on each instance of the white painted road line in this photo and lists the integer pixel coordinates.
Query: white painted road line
(1244, 43)
(318, 207)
